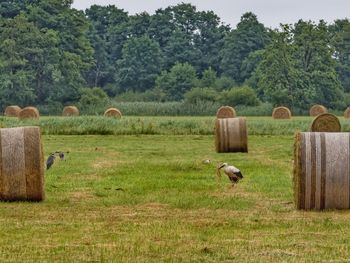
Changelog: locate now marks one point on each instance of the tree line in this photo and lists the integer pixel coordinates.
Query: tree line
(53, 54)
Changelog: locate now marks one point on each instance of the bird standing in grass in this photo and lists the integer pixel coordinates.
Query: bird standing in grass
(50, 161)
(233, 173)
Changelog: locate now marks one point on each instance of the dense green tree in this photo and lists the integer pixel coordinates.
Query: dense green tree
(140, 64)
(340, 32)
(175, 83)
(279, 80)
(180, 50)
(104, 21)
(249, 37)
(209, 78)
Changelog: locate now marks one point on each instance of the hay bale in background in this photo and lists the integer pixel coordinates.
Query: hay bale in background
(281, 113)
(29, 113)
(347, 113)
(12, 111)
(70, 111)
(326, 122)
(22, 164)
(231, 135)
(317, 110)
(322, 170)
(226, 112)
(113, 112)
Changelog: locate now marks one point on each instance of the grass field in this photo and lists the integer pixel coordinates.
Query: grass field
(149, 198)
(98, 125)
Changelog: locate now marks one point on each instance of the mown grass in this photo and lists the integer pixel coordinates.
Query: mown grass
(128, 125)
(147, 198)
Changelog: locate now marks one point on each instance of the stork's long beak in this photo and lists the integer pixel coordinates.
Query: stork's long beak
(221, 166)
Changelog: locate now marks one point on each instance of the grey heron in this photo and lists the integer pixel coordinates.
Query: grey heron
(50, 161)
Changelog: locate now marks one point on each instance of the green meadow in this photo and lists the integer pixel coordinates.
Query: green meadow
(132, 195)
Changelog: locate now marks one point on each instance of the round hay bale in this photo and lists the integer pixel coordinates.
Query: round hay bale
(226, 112)
(29, 113)
(347, 113)
(317, 110)
(70, 111)
(321, 170)
(231, 135)
(326, 122)
(113, 112)
(12, 111)
(281, 113)
(22, 164)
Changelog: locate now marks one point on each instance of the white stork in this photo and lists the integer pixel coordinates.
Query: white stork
(233, 173)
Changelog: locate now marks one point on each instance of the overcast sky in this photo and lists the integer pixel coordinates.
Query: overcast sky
(270, 12)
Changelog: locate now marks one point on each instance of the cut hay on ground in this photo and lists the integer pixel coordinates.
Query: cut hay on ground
(281, 113)
(321, 170)
(326, 122)
(231, 135)
(22, 164)
(347, 113)
(70, 111)
(12, 111)
(113, 112)
(317, 110)
(29, 113)
(226, 112)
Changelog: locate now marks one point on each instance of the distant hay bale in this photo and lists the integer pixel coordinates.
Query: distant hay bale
(231, 135)
(281, 113)
(317, 110)
(326, 122)
(113, 112)
(226, 112)
(70, 111)
(29, 113)
(321, 170)
(22, 164)
(12, 111)
(347, 113)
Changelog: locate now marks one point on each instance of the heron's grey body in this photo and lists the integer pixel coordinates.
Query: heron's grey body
(233, 173)
(50, 161)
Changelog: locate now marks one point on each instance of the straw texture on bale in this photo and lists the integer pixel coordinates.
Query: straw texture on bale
(226, 112)
(70, 111)
(29, 113)
(317, 110)
(231, 135)
(113, 112)
(347, 113)
(326, 122)
(322, 170)
(12, 111)
(21, 164)
(281, 113)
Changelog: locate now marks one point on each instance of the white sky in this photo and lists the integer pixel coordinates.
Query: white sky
(270, 12)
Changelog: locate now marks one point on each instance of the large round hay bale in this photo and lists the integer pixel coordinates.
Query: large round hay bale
(29, 113)
(326, 122)
(231, 135)
(347, 113)
(317, 110)
(70, 111)
(113, 112)
(22, 164)
(322, 170)
(12, 111)
(226, 112)
(281, 113)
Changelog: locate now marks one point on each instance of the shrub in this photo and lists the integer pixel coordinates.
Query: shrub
(239, 96)
(196, 95)
(93, 101)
